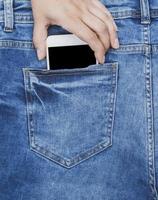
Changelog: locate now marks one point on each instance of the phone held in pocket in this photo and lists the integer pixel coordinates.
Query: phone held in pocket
(68, 51)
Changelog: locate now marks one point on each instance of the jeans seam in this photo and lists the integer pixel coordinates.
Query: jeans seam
(150, 131)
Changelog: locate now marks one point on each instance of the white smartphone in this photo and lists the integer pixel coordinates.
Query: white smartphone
(68, 51)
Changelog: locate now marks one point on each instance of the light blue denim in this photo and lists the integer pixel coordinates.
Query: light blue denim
(80, 134)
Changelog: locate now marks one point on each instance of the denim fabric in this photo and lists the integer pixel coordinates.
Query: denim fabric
(71, 111)
(80, 134)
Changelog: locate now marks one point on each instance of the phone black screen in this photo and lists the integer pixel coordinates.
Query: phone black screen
(77, 56)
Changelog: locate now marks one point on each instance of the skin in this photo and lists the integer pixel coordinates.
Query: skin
(90, 20)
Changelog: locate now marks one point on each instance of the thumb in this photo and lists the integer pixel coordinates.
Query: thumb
(39, 38)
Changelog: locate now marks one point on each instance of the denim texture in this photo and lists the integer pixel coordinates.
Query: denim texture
(80, 134)
(71, 112)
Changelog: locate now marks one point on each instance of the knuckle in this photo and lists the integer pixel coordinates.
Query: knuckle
(93, 42)
(105, 43)
(35, 42)
(108, 46)
(102, 48)
(92, 38)
(101, 28)
(112, 28)
(108, 14)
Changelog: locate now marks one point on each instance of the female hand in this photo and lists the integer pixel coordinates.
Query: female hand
(90, 20)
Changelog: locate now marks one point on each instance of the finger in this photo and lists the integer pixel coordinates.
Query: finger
(76, 26)
(105, 10)
(97, 26)
(108, 21)
(39, 38)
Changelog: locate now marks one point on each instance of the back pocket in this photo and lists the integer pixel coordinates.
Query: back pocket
(71, 111)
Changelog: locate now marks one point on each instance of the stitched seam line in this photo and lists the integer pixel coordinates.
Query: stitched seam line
(149, 113)
(124, 48)
(78, 158)
(65, 162)
(133, 13)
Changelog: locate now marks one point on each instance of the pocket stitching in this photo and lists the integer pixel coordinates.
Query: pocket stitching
(77, 158)
(100, 67)
(68, 163)
(70, 74)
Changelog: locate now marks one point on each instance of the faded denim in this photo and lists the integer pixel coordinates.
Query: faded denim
(80, 134)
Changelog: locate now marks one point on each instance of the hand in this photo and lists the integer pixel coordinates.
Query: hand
(90, 20)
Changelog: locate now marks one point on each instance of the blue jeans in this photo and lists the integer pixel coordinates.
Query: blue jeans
(80, 134)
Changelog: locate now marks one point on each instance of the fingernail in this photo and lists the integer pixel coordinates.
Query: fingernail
(39, 54)
(116, 43)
